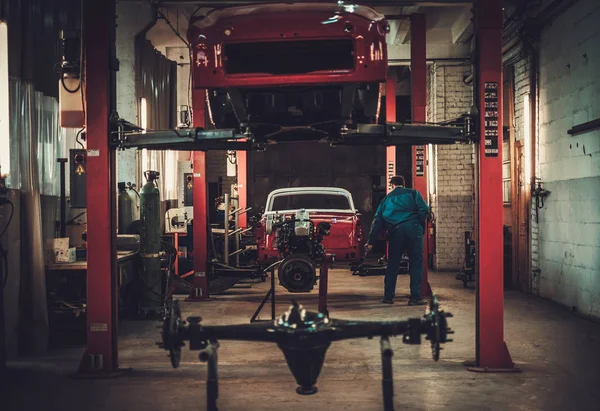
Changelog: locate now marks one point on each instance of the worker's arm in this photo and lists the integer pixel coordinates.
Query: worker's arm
(377, 224)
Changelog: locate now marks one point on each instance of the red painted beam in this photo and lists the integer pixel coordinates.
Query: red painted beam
(100, 356)
(418, 65)
(492, 351)
(199, 291)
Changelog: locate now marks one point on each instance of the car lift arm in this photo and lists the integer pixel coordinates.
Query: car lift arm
(358, 135)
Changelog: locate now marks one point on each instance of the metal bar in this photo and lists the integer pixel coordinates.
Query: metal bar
(99, 21)
(63, 197)
(242, 186)
(323, 284)
(418, 54)
(226, 230)
(199, 290)
(236, 231)
(236, 253)
(237, 210)
(493, 353)
(273, 294)
(387, 373)
(210, 355)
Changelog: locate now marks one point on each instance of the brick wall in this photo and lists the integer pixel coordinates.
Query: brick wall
(569, 166)
(449, 98)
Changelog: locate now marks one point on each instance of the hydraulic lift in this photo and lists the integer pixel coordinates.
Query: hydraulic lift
(105, 137)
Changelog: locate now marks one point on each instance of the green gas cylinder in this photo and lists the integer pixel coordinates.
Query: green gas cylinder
(152, 296)
(126, 207)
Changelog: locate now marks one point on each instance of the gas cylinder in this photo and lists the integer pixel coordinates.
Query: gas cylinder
(126, 208)
(151, 279)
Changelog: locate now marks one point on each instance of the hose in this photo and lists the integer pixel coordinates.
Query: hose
(4, 254)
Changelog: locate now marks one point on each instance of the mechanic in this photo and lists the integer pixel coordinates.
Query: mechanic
(404, 214)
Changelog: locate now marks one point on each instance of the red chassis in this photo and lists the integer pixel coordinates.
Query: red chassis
(290, 64)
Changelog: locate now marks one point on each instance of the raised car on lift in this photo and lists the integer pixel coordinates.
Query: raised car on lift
(278, 68)
(323, 204)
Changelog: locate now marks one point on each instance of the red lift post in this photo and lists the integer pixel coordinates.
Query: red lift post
(101, 356)
(199, 291)
(492, 352)
(418, 81)
(390, 117)
(242, 187)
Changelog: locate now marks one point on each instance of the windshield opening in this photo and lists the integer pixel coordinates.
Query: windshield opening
(326, 201)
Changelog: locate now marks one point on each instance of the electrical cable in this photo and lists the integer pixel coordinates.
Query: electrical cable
(12, 211)
(4, 254)
(78, 134)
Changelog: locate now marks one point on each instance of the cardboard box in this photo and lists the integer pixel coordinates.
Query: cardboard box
(54, 247)
(57, 244)
(66, 256)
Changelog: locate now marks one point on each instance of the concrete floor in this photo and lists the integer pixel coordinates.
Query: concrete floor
(558, 353)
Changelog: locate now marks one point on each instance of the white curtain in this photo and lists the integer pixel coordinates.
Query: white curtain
(36, 141)
(165, 162)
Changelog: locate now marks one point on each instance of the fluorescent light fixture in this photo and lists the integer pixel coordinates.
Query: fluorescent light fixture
(4, 102)
(527, 138)
(144, 125)
(430, 176)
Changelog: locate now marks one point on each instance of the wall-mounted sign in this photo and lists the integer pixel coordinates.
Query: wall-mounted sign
(420, 161)
(491, 119)
(391, 172)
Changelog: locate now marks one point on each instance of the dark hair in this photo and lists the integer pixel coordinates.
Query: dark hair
(397, 181)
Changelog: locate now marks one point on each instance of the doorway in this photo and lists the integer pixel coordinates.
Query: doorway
(521, 273)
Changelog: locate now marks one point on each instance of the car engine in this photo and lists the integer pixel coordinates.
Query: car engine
(298, 241)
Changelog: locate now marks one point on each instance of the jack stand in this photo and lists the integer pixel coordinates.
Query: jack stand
(387, 373)
(209, 355)
(271, 294)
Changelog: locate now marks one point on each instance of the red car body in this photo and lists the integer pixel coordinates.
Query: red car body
(346, 239)
(283, 66)
(227, 35)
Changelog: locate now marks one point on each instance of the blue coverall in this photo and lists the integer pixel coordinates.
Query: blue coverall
(403, 212)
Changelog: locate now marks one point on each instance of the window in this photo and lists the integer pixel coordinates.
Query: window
(4, 101)
(506, 180)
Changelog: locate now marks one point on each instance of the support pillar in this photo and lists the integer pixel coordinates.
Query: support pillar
(418, 80)
(390, 151)
(242, 186)
(199, 289)
(100, 357)
(390, 117)
(492, 352)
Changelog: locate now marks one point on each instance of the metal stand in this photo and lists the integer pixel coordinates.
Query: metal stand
(323, 283)
(237, 232)
(209, 355)
(387, 381)
(270, 293)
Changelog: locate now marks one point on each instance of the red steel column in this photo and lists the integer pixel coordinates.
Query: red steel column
(492, 350)
(199, 291)
(390, 117)
(100, 356)
(418, 80)
(390, 151)
(242, 184)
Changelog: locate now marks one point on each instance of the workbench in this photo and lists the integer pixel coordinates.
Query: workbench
(126, 271)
